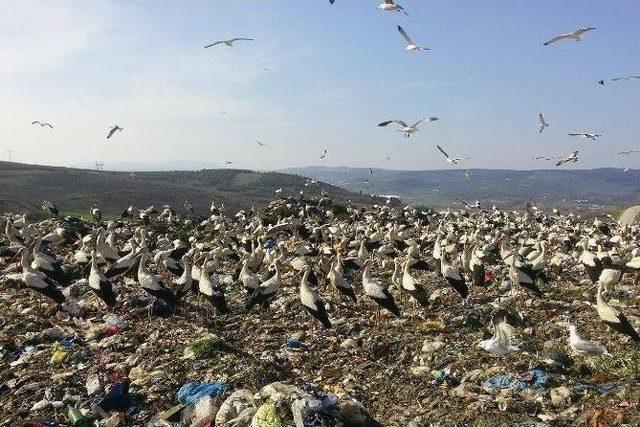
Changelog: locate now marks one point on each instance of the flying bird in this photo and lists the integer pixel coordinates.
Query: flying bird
(406, 129)
(391, 6)
(228, 42)
(113, 130)
(541, 123)
(260, 143)
(628, 152)
(573, 157)
(324, 154)
(387, 157)
(591, 136)
(227, 162)
(576, 35)
(370, 171)
(451, 160)
(42, 124)
(411, 45)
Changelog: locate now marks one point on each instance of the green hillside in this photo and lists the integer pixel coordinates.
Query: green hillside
(24, 187)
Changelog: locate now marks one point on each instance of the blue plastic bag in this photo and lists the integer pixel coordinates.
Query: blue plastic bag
(192, 392)
(535, 379)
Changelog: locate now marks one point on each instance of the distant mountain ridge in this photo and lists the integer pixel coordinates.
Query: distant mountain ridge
(596, 188)
(23, 188)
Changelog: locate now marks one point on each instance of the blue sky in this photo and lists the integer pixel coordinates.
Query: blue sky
(334, 73)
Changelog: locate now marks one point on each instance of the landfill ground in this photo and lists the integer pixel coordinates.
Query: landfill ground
(383, 366)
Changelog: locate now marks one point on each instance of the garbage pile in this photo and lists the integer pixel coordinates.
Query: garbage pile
(81, 364)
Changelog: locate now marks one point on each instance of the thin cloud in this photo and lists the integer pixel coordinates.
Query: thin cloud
(39, 35)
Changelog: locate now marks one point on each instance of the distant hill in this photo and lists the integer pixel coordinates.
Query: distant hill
(594, 189)
(24, 187)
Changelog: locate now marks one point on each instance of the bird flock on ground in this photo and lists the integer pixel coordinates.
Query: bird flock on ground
(381, 258)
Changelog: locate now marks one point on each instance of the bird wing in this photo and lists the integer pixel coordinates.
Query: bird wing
(111, 132)
(505, 333)
(575, 134)
(580, 31)
(47, 124)
(443, 152)
(589, 347)
(555, 39)
(239, 38)
(405, 35)
(402, 9)
(35, 122)
(398, 122)
(415, 125)
(214, 43)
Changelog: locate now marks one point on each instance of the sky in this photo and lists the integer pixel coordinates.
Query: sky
(317, 76)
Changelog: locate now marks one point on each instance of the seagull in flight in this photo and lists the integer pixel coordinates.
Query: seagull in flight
(228, 42)
(42, 124)
(576, 35)
(628, 152)
(227, 162)
(113, 130)
(591, 136)
(370, 171)
(573, 157)
(260, 143)
(450, 160)
(324, 154)
(411, 45)
(541, 123)
(392, 6)
(406, 129)
(387, 157)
